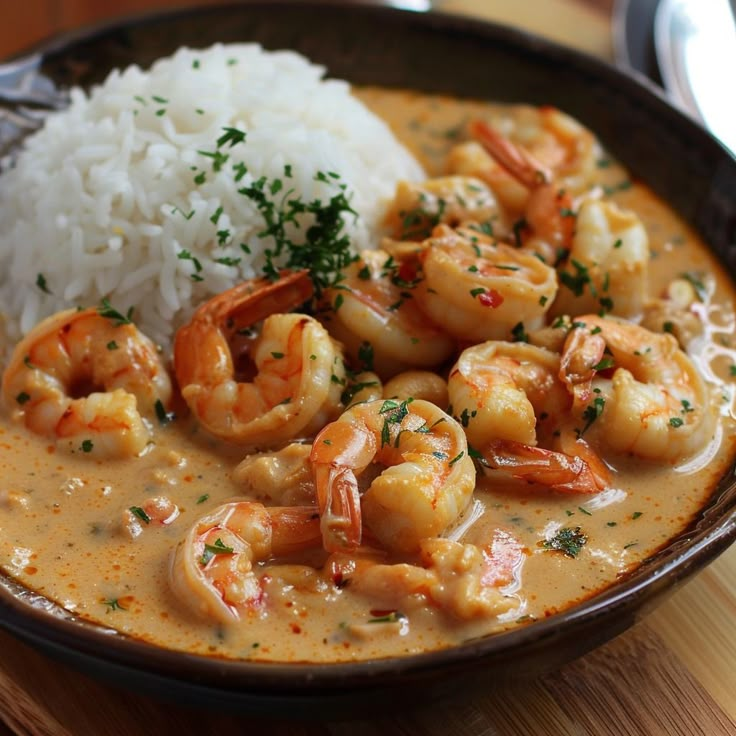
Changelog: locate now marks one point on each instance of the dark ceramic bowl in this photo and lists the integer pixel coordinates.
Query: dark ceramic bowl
(434, 53)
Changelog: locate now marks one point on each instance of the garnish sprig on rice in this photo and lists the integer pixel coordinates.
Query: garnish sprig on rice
(325, 249)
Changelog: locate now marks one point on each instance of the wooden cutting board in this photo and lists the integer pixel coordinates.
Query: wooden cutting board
(674, 673)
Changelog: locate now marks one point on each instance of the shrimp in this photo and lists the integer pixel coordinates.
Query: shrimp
(283, 476)
(299, 368)
(499, 390)
(427, 481)
(608, 267)
(374, 315)
(213, 569)
(548, 213)
(86, 380)
(478, 290)
(501, 393)
(635, 390)
(451, 200)
(462, 580)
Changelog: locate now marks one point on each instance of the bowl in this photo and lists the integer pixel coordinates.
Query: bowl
(433, 52)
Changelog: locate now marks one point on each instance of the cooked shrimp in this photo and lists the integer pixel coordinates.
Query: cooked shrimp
(502, 392)
(418, 385)
(375, 316)
(548, 214)
(635, 390)
(608, 266)
(427, 480)
(678, 310)
(214, 568)
(283, 476)
(451, 200)
(85, 380)
(299, 368)
(581, 472)
(478, 290)
(461, 580)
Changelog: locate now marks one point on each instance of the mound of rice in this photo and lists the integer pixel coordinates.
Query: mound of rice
(103, 202)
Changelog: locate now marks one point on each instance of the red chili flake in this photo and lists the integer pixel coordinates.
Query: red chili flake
(491, 299)
(380, 613)
(295, 628)
(407, 271)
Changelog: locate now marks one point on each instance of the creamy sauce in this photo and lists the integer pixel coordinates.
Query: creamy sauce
(63, 516)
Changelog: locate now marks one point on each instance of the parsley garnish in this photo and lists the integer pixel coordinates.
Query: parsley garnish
(218, 548)
(203, 498)
(87, 446)
(592, 412)
(113, 604)
(389, 618)
(22, 397)
(41, 283)
(140, 513)
(109, 312)
(568, 541)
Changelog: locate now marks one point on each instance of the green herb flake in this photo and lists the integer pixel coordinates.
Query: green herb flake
(636, 514)
(112, 345)
(87, 446)
(569, 541)
(676, 422)
(162, 415)
(107, 311)
(592, 412)
(211, 550)
(204, 497)
(140, 513)
(113, 604)
(392, 617)
(22, 397)
(231, 136)
(41, 283)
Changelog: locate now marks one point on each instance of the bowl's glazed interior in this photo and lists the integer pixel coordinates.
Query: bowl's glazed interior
(432, 53)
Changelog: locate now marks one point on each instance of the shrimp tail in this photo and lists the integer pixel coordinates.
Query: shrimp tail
(557, 470)
(518, 162)
(341, 521)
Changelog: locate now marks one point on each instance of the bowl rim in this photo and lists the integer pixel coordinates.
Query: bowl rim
(702, 542)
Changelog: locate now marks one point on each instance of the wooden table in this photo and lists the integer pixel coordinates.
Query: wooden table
(674, 673)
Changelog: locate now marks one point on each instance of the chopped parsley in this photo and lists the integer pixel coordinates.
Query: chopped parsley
(392, 617)
(162, 415)
(592, 412)
(41, 283)
(140, 513)
(113, 604)
(87, 446)
(204, 497)
(109, 312)
(569, 541)
(218, 548)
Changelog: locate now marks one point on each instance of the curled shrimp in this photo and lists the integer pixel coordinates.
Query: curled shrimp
(501, 392)
(450, 200)
(548, 213)
(426, 481)
(86, 380)
(375, 316)
(634, 390)
(296, 388)
(214, 568)
(462, 580)
(608, 267)
(479, 290)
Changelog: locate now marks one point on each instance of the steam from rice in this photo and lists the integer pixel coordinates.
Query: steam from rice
(103, 201)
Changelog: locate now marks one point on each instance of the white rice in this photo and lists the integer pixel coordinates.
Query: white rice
(102, 203)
